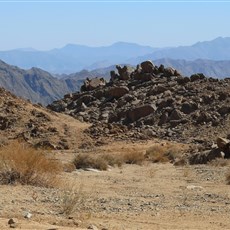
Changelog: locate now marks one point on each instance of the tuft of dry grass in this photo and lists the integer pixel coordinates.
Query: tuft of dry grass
(71, 197)
(22, 164)
(83, 160)
(134, 157)
(163, 153)
(103, 161)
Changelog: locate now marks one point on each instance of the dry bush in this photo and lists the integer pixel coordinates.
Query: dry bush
(83, 160)
(134, 157)
(113, 159)
(163, 153)
(102, 161)
(22, 164)
(71, 198)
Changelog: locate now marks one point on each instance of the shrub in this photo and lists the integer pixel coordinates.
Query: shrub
(102, 161)
(84, 160)
(134, 157)
(22, 164)
(162, 153)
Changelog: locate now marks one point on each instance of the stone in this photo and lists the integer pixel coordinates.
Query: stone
(124, 72)
(189, 107)
(205, 156)
(175, 115)
(92, 227)
(118, 92)
(224, 145)
(196, 77)
(12, 221)
(147, 67)
(139, 112)
(91, 84)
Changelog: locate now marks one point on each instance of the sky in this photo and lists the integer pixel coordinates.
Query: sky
(45, 25)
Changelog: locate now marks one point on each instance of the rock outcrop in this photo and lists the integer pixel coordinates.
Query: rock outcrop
(154, 101)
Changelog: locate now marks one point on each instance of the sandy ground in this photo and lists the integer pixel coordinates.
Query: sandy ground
(151, 196)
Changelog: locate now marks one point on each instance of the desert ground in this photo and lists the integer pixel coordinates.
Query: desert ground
(147, 196)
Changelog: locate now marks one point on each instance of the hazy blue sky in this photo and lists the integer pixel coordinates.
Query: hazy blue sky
(46, 25)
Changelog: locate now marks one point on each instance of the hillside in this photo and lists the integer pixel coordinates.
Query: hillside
(36, 125)
(35, 84)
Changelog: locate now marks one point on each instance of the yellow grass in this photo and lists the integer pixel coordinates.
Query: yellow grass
(22, 164)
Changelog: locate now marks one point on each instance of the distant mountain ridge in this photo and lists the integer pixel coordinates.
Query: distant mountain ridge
(35, 84)
(217, 49)
(73, 58)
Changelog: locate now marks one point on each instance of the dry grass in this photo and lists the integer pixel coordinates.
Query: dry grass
(22, 164)
(134, 157)
(103, 161)
(71, 197)
(84, 160)
(219, 162)
(227, 177)
(163, 153)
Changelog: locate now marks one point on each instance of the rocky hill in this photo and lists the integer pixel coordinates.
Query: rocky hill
(36, 125)
(35, 84)
(152, 101)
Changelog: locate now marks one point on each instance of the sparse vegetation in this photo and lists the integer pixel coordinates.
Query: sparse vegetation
(22, 164)
(134, 157)
(102, 161)
(220, 162)
(71, 197)
(163, 153)
(90, 161)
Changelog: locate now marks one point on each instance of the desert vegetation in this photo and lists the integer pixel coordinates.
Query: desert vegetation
(20, 163)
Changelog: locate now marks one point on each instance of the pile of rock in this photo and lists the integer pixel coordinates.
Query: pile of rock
(150, 101)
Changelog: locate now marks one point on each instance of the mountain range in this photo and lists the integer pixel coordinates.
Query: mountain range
(73, 58)
(35, 84)
(41, 86)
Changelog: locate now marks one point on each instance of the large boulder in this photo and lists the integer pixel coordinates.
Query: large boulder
(118, 92)
(124, 72)
(139, 112)
(224, 145)
(147, 67)
(91, 84)
(189, 107)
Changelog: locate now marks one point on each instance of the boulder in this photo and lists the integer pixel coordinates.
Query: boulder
(147, 67)
(224, 145)
(118, 92)
(205, 156)
(139, 112)
(189, 107)
(124, 72)
(175, 115)
(196, 77)
(91, 84)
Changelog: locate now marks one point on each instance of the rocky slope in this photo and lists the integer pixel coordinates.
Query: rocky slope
(35, 84)
(36, 125)
(152, 101)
